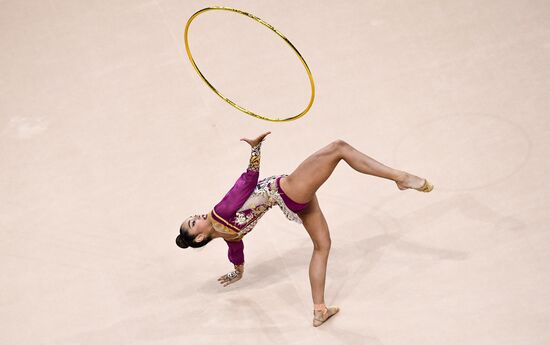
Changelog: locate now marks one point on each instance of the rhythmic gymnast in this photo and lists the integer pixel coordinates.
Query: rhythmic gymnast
(248, 200)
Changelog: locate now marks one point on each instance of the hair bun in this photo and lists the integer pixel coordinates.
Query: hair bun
(181, 242)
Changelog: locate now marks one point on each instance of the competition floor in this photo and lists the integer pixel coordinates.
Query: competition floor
(109, 139)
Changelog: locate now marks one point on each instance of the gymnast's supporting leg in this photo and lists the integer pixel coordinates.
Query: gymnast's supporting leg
(302, 184)
(316, 225)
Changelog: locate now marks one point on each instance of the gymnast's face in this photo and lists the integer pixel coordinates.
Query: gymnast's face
(197, 225)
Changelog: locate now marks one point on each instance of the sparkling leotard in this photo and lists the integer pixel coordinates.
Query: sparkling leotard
(246, 202)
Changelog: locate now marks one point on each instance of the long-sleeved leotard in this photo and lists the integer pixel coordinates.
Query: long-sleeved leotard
(245, 203)
(226, 209)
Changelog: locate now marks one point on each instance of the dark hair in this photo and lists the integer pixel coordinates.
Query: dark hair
(185, 240)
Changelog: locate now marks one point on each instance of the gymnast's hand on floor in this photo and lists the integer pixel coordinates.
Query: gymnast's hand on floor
(231, 277)
(259, 139)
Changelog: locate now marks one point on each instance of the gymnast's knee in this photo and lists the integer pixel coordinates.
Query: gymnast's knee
(339, 146)
(322, 246)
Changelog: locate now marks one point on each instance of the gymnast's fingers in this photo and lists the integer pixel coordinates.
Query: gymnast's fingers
(262, 136)
(230, 282)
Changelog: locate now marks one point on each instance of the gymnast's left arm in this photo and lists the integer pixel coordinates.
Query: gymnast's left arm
(255, 144)
(246, 183)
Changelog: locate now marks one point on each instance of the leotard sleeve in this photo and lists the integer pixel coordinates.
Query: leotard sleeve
(242, 188)
(235, 252)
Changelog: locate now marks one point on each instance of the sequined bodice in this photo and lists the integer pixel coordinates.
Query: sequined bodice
(259, 202)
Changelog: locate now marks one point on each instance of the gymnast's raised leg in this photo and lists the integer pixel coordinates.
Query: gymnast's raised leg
(302, 184)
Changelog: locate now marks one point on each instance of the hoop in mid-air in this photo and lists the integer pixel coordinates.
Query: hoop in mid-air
(243, 109)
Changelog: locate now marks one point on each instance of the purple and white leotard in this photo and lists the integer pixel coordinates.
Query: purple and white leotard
(246, 202)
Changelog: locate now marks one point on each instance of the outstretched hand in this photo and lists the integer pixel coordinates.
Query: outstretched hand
(259, 139)
(230, 278)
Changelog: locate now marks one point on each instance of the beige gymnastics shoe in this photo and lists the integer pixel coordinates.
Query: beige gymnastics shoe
(409, 181)
(426, 187)
(320, 316)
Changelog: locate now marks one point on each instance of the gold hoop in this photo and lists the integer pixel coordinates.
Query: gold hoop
(243, 109)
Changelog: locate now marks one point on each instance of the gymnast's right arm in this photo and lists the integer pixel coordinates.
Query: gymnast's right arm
(235, 253)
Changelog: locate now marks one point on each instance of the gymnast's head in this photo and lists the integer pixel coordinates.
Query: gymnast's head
(195, 232)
